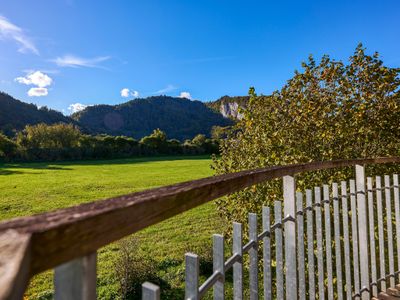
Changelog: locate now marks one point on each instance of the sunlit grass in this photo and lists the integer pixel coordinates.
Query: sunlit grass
(33, 188)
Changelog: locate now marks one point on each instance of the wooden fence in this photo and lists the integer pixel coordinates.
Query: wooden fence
(346, 265)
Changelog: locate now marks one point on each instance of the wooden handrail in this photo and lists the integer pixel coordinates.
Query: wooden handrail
(56, 237)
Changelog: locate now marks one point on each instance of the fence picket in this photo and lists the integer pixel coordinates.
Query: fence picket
(389, 229)
(253, 278)
(279, 252)
(310, 245)
(218, 266)
(300, 246)
(289, 198)
(338, 254)
(397, 214)
(267, 254)
(320, 247)
(374, 289)
(76, 279)
(354, 234)
(328, 240)
(237, 248)
(150, 291)
(362, 232)
(346, 239)
(191, 276)
(379, 212)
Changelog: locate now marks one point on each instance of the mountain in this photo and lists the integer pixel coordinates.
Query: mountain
(15, 114)
(180, 118)
(229, 107)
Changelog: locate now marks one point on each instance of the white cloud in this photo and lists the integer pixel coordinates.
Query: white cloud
(75, 107)
(38, 92)
(168, 88)
(185, 95)
(38, 79)
(75, 61)
(12, 32)
(125, 92)
(35, 78)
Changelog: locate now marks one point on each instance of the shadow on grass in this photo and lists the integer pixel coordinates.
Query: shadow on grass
(59, 165)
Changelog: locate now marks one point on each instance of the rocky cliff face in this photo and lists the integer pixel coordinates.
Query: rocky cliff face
(230, 110)
(229, 107)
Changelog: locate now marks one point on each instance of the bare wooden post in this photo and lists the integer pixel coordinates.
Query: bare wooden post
(150, 291)
(76, 279)
(253, 276)
(338, 253)
(218, 266)
(346, 239)
(300, 245)
(267, 254)
(397, 217)
(389, 229)
(289, 191)
(379, 212)
(374, 288)
(362, 230)
(192, 276)
(237, 266)
(328, 240)
(320, 246)
(278, 249)
(310, 245)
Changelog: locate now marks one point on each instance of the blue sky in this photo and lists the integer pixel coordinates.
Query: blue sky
(63, 52)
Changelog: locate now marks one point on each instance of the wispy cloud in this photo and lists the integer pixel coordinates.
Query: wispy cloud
(167, 89)
(76, 62)
(10, 31)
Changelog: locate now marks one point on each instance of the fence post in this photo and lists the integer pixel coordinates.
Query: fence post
(300, 245)
(389, 229)
(328, 239)
(253, 276)
(150, 291)
(320, 246)
(278, 249)
(191, 276)
(238, 266)
(397, 217)
(362, 230)
(289, 191)
(218, 266)
(267, 254)
(76, 279)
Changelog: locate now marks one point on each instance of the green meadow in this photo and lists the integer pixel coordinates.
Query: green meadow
(32, 188)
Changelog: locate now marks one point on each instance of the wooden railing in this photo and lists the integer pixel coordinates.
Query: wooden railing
(68, 239)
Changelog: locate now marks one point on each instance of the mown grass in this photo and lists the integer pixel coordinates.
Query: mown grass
(32, 188)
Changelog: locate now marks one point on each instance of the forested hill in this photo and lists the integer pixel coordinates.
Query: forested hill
(180, 118)
(15, 114)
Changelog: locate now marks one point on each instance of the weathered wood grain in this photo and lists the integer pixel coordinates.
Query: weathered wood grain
(14, 264)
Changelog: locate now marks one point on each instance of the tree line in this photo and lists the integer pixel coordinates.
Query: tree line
(62, 141)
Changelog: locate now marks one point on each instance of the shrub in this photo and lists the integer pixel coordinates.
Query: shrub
(330, 110)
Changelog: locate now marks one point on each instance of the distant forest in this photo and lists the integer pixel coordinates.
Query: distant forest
(179, 118)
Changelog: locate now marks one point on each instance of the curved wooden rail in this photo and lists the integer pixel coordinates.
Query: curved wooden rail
(50, 239)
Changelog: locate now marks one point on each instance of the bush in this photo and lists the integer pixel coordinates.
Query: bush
(328, 111)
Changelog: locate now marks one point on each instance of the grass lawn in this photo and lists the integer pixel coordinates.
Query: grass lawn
(32, 188)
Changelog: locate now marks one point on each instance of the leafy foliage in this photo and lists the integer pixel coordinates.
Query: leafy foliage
(66, 142)
(330, 110)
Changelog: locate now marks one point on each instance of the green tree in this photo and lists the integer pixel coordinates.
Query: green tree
(44, 136)
(329, 110)
(7, 147)
(156, 141)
